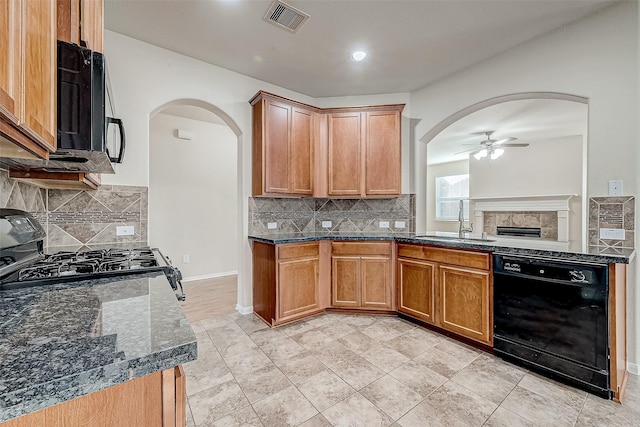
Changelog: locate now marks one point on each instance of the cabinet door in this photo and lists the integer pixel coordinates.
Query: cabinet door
(39, 71)
(345, 140)
(276, 147)
(298, 290)
(465, 302)
(11, 64)
(302, 131)
(382, 153)
(416, 289)
(91, 27)
(345, 279)
(376, 283)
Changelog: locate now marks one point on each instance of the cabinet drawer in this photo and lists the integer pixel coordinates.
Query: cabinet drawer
(357, 248)
(298, 250)
(446, 256)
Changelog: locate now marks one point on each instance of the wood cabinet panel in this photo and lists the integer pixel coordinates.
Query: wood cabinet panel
(416, 289)
(276, 147)
(39, 70)
(298, 251)
(465, 301)
(361, 248)
(376, 280)
(462, 258)
(91, 28)
(345, 277)
(302, 151)
(298, 287)
(382, 156)
(11, 64)
(157, 399)
(345, 158)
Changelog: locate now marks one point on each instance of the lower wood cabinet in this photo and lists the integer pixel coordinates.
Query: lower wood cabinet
(155, 400)
(288, 282)
(450, 289)
(361, 275)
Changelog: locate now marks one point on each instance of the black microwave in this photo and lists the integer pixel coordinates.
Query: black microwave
(82, 124)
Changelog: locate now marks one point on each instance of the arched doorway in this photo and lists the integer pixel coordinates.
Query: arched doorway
(194, 201)
(552, 125)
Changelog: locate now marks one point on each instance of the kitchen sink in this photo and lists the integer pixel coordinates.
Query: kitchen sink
(455, 238)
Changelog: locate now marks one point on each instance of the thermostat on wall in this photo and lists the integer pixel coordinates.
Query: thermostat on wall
(184, 134)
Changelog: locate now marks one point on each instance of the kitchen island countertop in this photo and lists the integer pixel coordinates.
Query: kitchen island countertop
(66, 340)
(512, 246)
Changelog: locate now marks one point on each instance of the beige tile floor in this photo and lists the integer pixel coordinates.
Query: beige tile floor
(347, 370)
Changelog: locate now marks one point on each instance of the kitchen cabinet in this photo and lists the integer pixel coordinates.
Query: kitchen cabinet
(81, 22)
(59, 180)
(448, 288)
(289, 281)
(361, 275)
(28, 76)
(300, 150)
(284, 135)
(364, 152)
(157, 399)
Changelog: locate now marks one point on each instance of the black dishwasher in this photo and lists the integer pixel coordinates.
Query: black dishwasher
(551, 316)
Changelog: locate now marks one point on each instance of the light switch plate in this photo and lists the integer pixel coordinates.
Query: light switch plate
(326, 224)
(399, 224)
(615, 187)
(272, 225)
(185, 259)
(383, 224)
(124, 230)
(612, 233)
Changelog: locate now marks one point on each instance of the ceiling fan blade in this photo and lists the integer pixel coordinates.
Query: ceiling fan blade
(524, 144)
(503, 140)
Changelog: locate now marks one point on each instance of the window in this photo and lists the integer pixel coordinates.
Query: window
(449, 191)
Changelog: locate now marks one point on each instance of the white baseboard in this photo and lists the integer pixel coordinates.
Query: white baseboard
(633, 368)
(209, 276)
(244, 310)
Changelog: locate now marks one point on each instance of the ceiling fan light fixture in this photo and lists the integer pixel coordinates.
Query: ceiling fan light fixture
(497, 153)
(480, 154)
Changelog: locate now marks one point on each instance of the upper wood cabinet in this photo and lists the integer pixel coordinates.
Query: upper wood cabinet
(28, 74)
(364, 153)
(301, 150)
(448, 288)
(284, 135)
(81, 22)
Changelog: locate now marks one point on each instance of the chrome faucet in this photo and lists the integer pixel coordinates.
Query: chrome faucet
(461, 228)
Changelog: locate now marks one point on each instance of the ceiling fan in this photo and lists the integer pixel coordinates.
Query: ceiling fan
(492, 147)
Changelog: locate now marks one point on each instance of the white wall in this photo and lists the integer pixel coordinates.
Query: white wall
(433, 171)
(193, 195)
(596, 58)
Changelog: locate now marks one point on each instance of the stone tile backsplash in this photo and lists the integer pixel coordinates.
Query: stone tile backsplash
(346, 215)
(81, 219)
(546, 221)
(612, 212)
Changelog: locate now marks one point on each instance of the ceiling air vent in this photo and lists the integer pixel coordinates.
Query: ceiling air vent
(285, 16)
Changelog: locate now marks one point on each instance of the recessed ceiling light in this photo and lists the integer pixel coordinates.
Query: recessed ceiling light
(358, 55)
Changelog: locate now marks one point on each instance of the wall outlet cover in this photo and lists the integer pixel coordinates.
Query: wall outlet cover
(326, 224)
(612, 233)
(185, 259)
(383, 224)
(124, 230)
(399, 224)
(272, 225)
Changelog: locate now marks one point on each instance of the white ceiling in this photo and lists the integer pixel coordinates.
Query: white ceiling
(528, 120)
(410, 43)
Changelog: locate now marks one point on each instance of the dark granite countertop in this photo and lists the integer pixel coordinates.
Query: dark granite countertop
(62, 341)
(512, 246)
